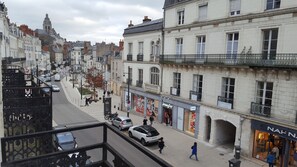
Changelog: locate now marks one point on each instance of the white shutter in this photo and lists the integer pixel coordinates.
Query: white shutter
(234, 7)
(202, 12)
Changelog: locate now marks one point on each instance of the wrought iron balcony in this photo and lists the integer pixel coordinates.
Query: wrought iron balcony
(260, 109)
(140, 57)
(152, 88)
(174, 91)
(259, 60)
(225, 102)
(154, 58)
(38, 149)
(139, 83)
(129, 57)
(195, 95)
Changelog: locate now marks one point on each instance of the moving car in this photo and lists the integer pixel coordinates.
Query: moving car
(145, 133)
(55, 88)
(122, 122)
(65, 140)
(57, 77)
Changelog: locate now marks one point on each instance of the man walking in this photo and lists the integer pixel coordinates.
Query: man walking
(161, 145)
(151, 119)
(194, 151)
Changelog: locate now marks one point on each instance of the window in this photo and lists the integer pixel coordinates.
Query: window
(130, 47)
(155, 72)
(202, 12)
(158, 48)
(152, 48)
(234, 7)
(232, 45)
(176, 80)
(273, 4)
(130, 74)
(140, 48)
(228, 89)
(140, 75)
(179, 46)
(269, 44)
(181, 17)
(264, 93)
(200, 46)
(197, 83)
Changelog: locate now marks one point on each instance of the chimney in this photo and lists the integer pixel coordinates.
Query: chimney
(121, 45)
(130, 25)
(146, 19)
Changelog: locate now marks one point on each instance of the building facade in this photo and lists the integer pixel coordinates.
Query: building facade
(234, 61)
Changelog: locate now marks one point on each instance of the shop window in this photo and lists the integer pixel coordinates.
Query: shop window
(189, 122)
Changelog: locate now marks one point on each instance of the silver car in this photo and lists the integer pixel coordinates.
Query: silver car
(122, 122)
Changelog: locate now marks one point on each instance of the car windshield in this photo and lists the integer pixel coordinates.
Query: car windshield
(65, 137)
(128, 121)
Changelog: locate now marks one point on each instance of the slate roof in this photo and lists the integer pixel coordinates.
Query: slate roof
(169, 3)
(145, 27)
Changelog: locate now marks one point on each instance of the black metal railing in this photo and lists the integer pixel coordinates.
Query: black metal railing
(226, 100)
(262, 60)
(174, 91)
(129, 57)
(140, 57)
(38, 149)
(260, 109)
(139, 83)
(154, 58)
(194, 95)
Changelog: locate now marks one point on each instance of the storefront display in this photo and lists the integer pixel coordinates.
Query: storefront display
(189, 122)
(152, 106)
(138, 104)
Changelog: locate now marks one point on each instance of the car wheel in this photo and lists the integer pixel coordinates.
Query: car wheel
(130, 134)
(143, 142)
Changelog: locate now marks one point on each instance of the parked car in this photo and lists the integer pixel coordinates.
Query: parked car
(122, 122)
(46, 89)
(55, 88)
(145, 133)
(65, 140)
(57, 77)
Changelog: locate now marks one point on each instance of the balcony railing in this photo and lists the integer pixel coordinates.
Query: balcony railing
(195, 95)
(152, 88)
(225, 102)
(174, 91)
(154, 58)
(262, 60)
(140, 57)
(38, 149)
(139, 83)
(260, 109)
(129, 57)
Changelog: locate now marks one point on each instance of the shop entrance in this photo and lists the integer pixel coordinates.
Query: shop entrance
(225, 134)
(208, 128)
(167, 117)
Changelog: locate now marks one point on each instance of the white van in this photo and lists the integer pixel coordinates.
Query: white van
(57, 77)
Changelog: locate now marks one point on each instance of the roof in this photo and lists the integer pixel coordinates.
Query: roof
(145, 27)
(169, 3)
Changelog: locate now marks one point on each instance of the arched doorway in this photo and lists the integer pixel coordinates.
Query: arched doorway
(207, 128)
(225, 134)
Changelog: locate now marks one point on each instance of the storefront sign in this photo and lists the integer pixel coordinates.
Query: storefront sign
(193, 108)
(167, 105)
(275, 129)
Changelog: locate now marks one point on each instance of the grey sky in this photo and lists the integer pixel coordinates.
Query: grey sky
(89, 20)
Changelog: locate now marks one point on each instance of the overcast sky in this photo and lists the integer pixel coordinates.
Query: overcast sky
(85, 20)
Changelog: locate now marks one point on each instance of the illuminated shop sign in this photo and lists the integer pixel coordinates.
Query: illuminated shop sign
(275, 129)
(169, 106)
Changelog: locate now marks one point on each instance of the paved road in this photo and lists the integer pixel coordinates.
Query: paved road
(64, 113)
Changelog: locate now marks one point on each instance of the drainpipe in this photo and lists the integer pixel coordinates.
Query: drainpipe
(162, 31)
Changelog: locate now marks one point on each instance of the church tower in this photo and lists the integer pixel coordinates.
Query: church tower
(47, 25)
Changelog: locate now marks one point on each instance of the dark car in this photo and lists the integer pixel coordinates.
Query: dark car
(65, 141)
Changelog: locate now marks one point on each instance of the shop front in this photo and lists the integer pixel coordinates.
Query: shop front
(281, 141)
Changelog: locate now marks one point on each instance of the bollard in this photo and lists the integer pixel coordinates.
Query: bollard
(234, 162)
(237, 152)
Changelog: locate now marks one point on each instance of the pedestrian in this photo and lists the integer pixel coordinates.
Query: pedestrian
(275, 150)
(87, 101)
(144, 121)
(194, 151)
(161, 145)
(270, 159)
(151, 119)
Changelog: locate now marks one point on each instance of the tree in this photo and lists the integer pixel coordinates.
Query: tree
(95, 79)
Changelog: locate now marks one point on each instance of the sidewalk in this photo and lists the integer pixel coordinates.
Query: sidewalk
(178, 145)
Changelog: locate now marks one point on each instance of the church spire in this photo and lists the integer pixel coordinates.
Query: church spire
(47, 25)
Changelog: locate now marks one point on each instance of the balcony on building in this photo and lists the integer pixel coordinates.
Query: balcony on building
(253, 60)
(225, 102)
(260, 109)
(139, 83)
(174, 91)
(154, 58)
(129, 57)
(148, 87)
(140, 57)
(194, 95)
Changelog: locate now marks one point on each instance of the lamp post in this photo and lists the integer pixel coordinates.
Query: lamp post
(128, 100)
(80, 85)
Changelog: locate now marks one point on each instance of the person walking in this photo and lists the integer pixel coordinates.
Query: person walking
(151, 119)
(194, 151)
(270, 159)
(144, 121)
(161, 145)
(87, 101)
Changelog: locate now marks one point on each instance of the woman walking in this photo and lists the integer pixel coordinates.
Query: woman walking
(194, 151)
